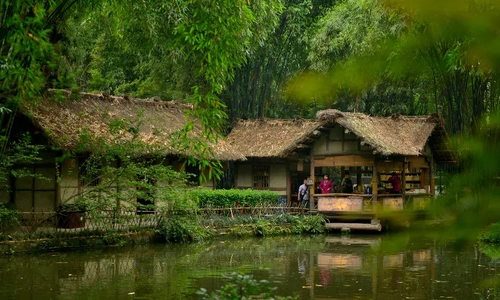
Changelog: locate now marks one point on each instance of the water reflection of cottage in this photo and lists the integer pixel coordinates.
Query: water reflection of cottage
(350, 268)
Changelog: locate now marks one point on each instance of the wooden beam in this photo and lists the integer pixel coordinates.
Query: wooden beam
(303, 146)
(339, 153)
(431, 177)
(288, 185)
(344, 161)
(343, 140)
(311, 189)
(358, 226)
(327, 141)
(374, 187)
(403, 179)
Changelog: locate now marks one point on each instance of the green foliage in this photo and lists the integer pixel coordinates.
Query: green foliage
(182, 229)
(380, 57)
(16, 154)
(314, 224)
(351, 28)
(244, 225)
(229, 198)
(114, 238)
(242, 286)
(491, 234)
(72, 207)
(257, 89)
(25, 47)
(8, 217)
(492, 250)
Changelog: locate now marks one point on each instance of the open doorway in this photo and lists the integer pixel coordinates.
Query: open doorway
(297, 178)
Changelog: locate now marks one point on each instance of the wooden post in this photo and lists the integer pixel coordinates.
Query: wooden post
(358, 176)
(403, 179)
(312, 188)
(403, 182)
(118, 187)
(288, 185)
(374, 186)
(57, 201)
(431, 177)
(235, 176)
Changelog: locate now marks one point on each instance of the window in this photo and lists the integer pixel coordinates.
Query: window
(89, 171)
(260, 174)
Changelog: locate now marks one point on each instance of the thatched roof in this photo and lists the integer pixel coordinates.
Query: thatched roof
(271, 137)
(395, 135)
(65, 122)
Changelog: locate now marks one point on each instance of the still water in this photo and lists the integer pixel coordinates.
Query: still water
(319, 267)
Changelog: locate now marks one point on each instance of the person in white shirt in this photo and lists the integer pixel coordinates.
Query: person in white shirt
(303, 194)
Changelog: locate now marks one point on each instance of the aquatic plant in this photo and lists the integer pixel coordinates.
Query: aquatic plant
(242, 286)
(491, 234)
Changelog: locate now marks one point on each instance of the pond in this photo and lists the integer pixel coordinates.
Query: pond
(317, 267)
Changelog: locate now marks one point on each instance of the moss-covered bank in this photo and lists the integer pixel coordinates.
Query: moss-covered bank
(177, 229)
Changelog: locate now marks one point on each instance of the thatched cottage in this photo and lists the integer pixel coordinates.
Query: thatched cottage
(281, 153)
(63, 124)
(277, 153)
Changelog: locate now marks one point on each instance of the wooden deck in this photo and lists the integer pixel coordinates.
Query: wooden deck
(365, 211)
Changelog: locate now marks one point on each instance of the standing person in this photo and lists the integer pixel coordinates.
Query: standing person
(346, 184)
(395, 182)
(326, 185)
(303, 194)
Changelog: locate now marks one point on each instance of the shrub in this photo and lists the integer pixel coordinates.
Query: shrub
(182, 229)
(8, 217)
(230, 198)
(242, 286)
(492, 234)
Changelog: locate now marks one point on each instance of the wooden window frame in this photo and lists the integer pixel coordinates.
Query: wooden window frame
(261, 177)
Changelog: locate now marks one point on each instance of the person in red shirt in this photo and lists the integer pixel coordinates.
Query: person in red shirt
(395, 181)
(326, 185)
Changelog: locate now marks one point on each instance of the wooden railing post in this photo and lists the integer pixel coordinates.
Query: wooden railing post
(375, 187)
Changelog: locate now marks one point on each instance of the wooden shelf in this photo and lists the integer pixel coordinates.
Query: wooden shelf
(407, 181)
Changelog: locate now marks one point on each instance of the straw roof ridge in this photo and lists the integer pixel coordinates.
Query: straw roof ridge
(394, 135)
(264, 137)
(113, 99)
(64, 122)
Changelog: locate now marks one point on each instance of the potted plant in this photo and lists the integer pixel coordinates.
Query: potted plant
(71, 215)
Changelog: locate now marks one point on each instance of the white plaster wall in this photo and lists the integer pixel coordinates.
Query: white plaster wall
(244, 177)
(69, 180)
(24, 183)
(351, 146)
(319, 145)
(46, 184)
(351, 143)
(45, 201)
(24, 200)
(334, 147)
(277, 176)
